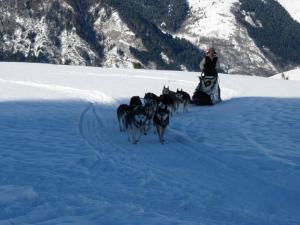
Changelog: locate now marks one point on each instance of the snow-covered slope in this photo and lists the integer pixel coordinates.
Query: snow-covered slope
(118, 38)
(99, 33)
(63, 160)
(291, 75)
(293, 7)
(37, 34)
(213, 23)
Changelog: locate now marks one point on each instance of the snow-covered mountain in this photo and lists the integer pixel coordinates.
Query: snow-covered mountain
(114, 33)
(64, 161)
(218, 23)
(213, 23)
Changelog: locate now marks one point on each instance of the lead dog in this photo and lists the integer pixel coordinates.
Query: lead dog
(150, 109)
(161, 121)
(123, 112)
(136, 122)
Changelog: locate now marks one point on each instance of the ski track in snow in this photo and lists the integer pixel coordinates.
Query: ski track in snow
(89, 95)
(64, 161)
(179, 141)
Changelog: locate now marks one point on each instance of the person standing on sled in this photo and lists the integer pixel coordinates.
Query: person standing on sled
(208, 90)
(210, 64)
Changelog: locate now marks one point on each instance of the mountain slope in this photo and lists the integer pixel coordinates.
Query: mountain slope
(95, 33)
(63, 160)
(273, 30)
(148, 34)
(213, 23)
(293, 7)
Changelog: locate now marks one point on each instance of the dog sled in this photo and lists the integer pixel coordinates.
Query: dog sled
(207, 92)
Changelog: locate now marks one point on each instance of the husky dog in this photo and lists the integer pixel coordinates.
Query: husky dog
(136, 121)
(184, 99)
(172, 94)
(122, 112)
(166, 91)
(170, 101)
(135, 101)
(150, 109)
(161, 121)
(151, 98)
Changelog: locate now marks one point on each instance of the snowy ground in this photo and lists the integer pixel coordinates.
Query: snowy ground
(292, 75)
(63, 160)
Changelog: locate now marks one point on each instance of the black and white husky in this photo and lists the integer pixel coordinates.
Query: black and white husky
(184, 99)
(161, 121)
(135, 101)
(136, 122)
(166, 92)
(123, 112)
(150, 109)
(151, 98)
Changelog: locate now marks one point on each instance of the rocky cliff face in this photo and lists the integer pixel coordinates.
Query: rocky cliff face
(152, 34)
(214, 24)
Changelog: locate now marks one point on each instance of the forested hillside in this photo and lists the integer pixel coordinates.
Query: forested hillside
(251, 37)
(273, 30)
(158, 44)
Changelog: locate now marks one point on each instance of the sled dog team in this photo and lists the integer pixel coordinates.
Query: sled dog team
(138, 118)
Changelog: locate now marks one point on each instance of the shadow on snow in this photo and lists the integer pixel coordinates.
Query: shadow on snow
(233, 163)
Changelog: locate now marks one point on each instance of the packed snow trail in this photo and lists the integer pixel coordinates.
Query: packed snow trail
(178, 154)
(64, 161)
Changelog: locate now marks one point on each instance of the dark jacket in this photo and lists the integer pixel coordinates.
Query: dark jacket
(210, 67)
